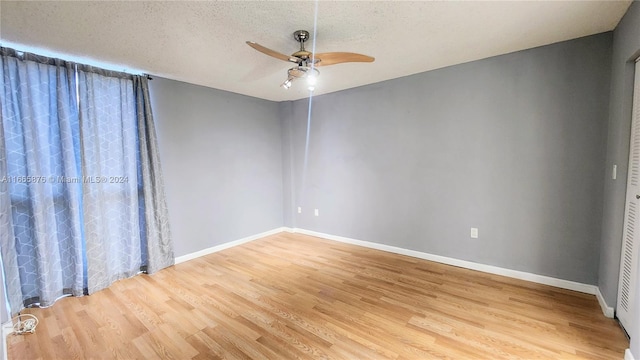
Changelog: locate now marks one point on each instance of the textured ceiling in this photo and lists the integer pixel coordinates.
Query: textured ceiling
(204, 42)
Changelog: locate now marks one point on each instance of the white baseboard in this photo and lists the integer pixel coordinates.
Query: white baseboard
(7, 329)
(606, 309)
(628, 355)
(541, 279)
(211, 250)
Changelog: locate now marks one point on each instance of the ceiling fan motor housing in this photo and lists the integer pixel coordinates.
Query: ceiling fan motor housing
(301, 35)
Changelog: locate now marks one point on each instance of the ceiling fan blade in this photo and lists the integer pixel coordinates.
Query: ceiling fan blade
(273, 53)
(340, 57)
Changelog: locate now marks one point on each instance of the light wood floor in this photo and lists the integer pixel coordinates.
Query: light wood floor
(295, 296)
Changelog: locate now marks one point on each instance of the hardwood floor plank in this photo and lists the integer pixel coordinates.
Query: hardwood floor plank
(291, 296)
(207, 347)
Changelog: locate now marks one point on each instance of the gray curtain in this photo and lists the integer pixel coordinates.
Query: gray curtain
(156, 215)
(82, 202)
(7, 245)
(40, 228)
(109, 147)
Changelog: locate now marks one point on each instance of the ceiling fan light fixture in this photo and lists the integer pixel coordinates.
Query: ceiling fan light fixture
(299, 72)
(312, 80)
(302, 72)
(287, 83)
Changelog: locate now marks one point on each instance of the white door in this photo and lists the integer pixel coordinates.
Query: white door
(631, 231)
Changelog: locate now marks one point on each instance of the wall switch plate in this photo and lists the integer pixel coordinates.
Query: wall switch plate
(299, 210)
(474, 233)
(316, 212)
(614, 172)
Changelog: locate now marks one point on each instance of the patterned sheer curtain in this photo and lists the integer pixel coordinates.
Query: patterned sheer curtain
(41, 238)
(81, 197)
(109, 152)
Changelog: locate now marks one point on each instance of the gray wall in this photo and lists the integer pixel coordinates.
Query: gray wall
(626, 48)
(222, 161)
(513, 145)
(287, 165)
(626, 43)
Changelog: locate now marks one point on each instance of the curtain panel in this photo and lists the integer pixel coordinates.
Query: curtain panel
(109, 141)
(156, 214)
(82, 202)
(41, 233)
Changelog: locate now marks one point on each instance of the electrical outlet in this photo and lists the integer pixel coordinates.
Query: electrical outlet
(474, 233)
(299, 210)
(316, 212)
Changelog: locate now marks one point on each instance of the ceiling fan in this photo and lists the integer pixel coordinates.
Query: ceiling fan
(307, 61)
